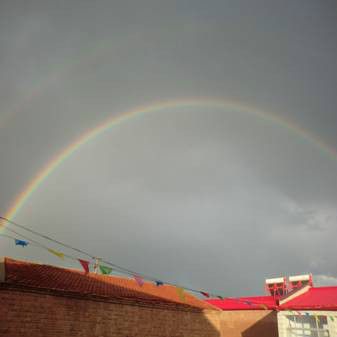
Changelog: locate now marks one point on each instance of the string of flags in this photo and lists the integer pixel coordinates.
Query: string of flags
(107, 270)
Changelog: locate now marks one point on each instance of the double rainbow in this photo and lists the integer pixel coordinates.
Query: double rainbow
(91, 134)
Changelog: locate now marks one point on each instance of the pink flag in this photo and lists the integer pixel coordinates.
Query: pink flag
(85, 265)
(139, 280)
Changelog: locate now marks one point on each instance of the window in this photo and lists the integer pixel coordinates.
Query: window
(307, 325)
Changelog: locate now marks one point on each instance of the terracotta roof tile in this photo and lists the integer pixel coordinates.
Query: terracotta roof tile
(46, 277)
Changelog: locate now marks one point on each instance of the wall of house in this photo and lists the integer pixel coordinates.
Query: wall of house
(44, 315)
(249, 323)
(303, 321)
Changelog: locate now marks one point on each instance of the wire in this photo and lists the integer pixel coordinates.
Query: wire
(119, 268)
(122, 269)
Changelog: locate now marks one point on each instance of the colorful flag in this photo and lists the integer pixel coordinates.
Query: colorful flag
(204, 293)
(159, 283)
(139, 280)
(181, 294)
(85, 265)
(55, 252)
(21, 243)
(105, 270)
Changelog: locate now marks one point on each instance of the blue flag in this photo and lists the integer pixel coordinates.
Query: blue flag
(21, 243)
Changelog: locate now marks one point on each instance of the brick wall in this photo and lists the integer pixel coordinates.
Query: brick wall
(44, 315)
(37, 314)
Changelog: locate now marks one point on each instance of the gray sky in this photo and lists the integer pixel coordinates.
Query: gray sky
(213, 198)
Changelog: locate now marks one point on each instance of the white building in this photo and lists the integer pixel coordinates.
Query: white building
(310, 312)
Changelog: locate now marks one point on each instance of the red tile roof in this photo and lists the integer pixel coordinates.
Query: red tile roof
(316, 298)
(74, 282)
(245, 303)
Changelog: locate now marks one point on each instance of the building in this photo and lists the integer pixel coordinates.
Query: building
(309, 312)
(47, 301)
(296, 309)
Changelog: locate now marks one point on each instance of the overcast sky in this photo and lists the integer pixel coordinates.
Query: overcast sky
(213, 198)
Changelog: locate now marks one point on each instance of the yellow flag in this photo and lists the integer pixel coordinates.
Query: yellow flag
(181, 294)
(58, 254)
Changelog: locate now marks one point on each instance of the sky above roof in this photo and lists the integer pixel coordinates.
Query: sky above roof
(214, 197)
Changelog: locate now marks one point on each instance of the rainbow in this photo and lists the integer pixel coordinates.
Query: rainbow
(91, 134)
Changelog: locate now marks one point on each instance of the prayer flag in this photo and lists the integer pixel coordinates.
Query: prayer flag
(139, 280)
(85, 265)
(105, 270)
(55, 252)
(21, 243)
(181, 294)
(159, 283)
(204, 293)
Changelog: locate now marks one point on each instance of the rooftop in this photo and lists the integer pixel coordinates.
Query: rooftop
(305, 298)
(245, 303)
(315, 298)
(46, 278)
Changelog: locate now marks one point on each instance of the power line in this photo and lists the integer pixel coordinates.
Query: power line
(119, 268)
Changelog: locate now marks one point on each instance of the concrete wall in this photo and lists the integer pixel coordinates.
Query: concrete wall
(249, 323)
